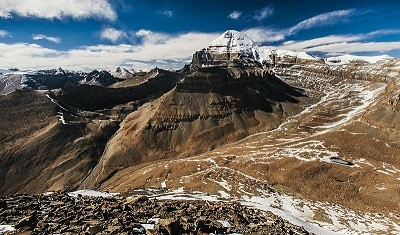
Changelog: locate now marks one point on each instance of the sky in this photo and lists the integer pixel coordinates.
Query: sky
(105, 34)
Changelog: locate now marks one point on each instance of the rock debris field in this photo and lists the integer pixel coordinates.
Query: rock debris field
(60, 213)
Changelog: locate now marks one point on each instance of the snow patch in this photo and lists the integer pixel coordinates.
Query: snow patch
(164, 184)
(346, 59)
(6, 228)
(91, 193)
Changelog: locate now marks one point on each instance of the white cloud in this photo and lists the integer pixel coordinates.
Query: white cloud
(149, 37)
(322, 19)
(112, 34)
(301, 45)
(168, 13)
(163, 46)
(262, 35)
(383, 32)
(235, 15)
(4, 33)
(58, 9)
(174, 49)
(263, 13)
(45, 37)
(356, 47)
(332, 39)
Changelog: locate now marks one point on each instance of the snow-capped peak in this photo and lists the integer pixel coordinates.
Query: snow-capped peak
(122, 73)
(233, 41)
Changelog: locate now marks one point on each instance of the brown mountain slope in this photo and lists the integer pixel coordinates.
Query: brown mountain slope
(38, 152)
(208, 108)
(53, 143)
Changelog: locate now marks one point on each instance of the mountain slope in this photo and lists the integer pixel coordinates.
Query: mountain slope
(336, 160)
(38, 152)
(207, 108)
(52, 141)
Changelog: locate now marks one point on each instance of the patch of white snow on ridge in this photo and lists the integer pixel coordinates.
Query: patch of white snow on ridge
(339, 220)
(367, 98)
(6, 228)
(91, 193)
(266, 53)
(299, 54)
(346, 59)
(164, 184)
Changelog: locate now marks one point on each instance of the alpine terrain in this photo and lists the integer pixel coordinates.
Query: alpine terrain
(281, 141)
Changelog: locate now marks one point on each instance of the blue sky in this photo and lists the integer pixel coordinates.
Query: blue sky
(104, 34)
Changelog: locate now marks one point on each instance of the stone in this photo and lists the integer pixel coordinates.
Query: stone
(94, 229)
(29, 221)
(171, 225)
(136, 199)
(253, 225)
(3, 204)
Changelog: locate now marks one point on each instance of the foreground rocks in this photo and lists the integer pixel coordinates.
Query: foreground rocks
(60, 213)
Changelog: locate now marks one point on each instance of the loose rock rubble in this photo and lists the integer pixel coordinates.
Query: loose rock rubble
(59, 213)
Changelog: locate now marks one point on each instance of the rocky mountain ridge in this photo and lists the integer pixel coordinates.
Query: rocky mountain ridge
(53, 79)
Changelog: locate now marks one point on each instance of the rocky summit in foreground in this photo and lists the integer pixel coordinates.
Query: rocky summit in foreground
(62, 213)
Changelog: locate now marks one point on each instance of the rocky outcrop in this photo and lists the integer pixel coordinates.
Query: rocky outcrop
(59, 213)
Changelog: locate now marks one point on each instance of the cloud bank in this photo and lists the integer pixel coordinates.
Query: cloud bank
(172, 50)
(147, 48)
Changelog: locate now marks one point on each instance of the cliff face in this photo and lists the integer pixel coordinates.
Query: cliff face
(208, 108)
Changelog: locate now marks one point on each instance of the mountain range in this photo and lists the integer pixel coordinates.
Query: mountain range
(309, 138)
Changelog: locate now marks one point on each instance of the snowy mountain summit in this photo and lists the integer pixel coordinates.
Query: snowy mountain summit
(236, 46)
(122, 73)
(234, 42)
(230, 46)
